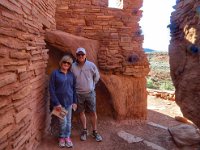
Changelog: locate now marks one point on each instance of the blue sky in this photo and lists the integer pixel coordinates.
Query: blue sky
(156, 17)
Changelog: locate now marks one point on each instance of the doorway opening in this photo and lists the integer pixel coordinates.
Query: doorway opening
(154, 24)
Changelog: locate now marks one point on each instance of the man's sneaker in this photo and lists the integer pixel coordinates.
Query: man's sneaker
(97, 136)
(62, 142)
(84, 135)
(68, 142)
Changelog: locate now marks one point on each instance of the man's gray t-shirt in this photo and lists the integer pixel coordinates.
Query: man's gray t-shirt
(86, 76)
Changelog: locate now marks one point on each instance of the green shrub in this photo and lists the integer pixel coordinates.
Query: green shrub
(159, 76)
(167, 85)
(150, 84)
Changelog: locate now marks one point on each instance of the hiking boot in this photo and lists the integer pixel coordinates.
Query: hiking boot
(68, 142)
(62, 142)
(84, 135)
(97, 136)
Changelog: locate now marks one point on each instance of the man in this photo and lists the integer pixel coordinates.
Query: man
(87, 75)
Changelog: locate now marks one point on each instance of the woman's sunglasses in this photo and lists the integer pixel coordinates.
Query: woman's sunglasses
(65, 62)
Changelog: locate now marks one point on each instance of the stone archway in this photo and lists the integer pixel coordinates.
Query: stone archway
(56, 51)
(123, 96)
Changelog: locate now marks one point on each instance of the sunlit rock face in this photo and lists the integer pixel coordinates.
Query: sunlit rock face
(120, 58)
(184, 52)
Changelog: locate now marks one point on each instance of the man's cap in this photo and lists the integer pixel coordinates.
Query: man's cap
(80, 49)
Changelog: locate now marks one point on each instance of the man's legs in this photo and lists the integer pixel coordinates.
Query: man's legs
(81, 110)
(94, 120)
(84, 133)
(92, 108)
(90, 103)
(83, 119)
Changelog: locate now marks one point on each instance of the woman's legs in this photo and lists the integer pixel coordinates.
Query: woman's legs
(65, 125)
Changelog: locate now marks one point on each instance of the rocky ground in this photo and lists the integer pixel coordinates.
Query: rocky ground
(129, 135)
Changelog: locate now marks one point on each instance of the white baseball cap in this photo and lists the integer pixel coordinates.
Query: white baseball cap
(80, 49)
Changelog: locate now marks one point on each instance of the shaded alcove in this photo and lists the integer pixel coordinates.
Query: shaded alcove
(104, 101)
(103, 98)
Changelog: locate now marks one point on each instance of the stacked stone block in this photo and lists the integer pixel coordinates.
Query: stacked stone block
(23, 82)
(122, 62)
(117, 30)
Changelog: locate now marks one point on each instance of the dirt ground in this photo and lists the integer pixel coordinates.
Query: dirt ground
(160, 112)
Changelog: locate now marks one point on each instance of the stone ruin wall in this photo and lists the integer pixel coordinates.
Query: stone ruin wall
(122, 62)
(184, 52)
(23, 58)
(117, 30)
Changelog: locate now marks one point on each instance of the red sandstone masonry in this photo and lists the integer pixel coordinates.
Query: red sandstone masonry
(23, 58)
(23, 25)
(114, 28)
(122, 62)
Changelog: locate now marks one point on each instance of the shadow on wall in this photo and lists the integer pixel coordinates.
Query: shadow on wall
(184, 52)
(103, 97)
(104, 101)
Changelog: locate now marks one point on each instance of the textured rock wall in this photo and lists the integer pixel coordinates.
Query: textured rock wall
(23, 58)
(122, 62)
(117, 30)
(184, 52)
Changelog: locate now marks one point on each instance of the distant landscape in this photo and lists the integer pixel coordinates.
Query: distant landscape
(159, 75)
(148, 50)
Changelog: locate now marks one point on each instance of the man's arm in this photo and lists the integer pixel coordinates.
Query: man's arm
(96, 74)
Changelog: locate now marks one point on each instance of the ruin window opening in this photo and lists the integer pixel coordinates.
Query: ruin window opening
(115, 4)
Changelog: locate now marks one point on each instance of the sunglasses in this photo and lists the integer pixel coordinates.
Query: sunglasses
(80, 54)
(65, 62)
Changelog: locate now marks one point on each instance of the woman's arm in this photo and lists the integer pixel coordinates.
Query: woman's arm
(52, 90)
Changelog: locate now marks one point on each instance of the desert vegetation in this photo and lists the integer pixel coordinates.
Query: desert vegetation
(159, 75)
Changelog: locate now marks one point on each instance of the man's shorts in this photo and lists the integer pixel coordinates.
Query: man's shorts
(87, 102)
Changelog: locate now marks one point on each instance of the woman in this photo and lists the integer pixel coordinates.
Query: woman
(63, 94)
